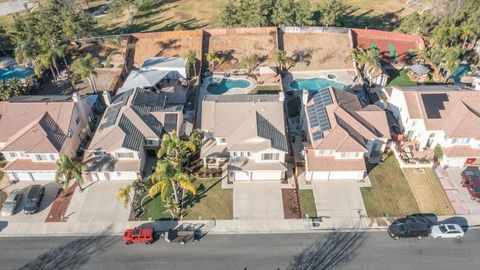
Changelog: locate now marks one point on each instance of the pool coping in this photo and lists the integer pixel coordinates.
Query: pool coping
(233, 91)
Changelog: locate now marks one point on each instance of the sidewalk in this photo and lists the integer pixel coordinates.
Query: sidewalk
(69, 228)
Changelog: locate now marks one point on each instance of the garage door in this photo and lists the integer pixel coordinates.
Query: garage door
(241, 176)
(43, 176)
(355, 175)
(320, 175)
(267, 175)
(123, 176)
(456, 162)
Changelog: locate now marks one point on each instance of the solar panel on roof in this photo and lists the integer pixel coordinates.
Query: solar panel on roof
(317, 135)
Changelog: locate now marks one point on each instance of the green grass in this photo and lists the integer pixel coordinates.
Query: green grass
(293, 107)
(266, 89)
(307, 202)
(210, 202)
(3, 196)
(431, 197)
(399, 78)
(390, 194)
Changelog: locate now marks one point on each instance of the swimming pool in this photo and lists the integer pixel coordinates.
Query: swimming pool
(20, 73)
(314, 84)
(220, 86)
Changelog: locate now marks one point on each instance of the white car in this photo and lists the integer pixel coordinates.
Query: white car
(447, 231)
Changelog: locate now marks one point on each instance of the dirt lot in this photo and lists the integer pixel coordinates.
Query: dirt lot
(234, 44)
(176, 44)
(318, 51)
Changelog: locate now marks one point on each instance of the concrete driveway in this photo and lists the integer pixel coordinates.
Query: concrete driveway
(338, 200)
(97, 203)
(51, 190)
(257, 200)
(463, 197)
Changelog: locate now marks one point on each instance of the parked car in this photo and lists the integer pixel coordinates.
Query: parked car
(447, 231)
(139, 235)
(472, 183)
(409, 227)
(11, 203)
(33, 199)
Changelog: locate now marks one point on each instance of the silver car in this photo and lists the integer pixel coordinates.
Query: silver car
(447, 231)
(12, 201)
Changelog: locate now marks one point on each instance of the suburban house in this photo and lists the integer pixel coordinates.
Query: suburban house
(247, 134)
(341, 135)
(445, 115)
(35, 130)
(130, 129)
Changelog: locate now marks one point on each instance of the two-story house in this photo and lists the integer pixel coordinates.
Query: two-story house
(35, 130)
(130, 129)
(445, 115)
(341, 135)
(247, 133)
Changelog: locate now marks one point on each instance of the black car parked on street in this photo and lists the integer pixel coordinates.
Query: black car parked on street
(411, 226)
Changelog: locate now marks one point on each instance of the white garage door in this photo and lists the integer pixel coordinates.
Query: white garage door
(123, 176)
(20, 176)
(320, 175)
(355, 175)
(241, 176)
(267, 175)
(43, 176)
(456, 162)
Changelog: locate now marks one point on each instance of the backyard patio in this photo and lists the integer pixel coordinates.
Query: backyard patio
(409, 156)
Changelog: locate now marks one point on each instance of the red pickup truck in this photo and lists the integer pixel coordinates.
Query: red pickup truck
(139, 235)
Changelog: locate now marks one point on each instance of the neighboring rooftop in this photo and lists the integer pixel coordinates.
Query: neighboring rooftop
(317, 48)
(451, 109)
(393, 46)
(35, 124)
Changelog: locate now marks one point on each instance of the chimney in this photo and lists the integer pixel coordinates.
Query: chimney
(304, 97)
(281, 96)
(82, 111)
(106, 98)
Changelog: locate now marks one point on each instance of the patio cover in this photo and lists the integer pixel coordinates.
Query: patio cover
(268, 71)
(175, 65)
(142, 79)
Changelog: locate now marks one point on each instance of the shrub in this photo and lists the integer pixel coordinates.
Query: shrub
(438, 153)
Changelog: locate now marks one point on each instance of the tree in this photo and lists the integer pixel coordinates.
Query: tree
(249, 62)
(419, 24)
(451, 60)
(192, 61)
(467, 32)
(4, 39)
(67, 171)
(85, 67)
(123, 195)
(13, 87)
(172, 207)
(331, 12)
(282, 60)
(212, 59)
(176, 150)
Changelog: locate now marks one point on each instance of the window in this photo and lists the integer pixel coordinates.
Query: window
(52, 157)
(41, 157)
(98, 153)
(150, 142)
(223, 140)
(124, 155)
(242, 154)
(350, 154)
(453, 141)
(324, 152)
(13, 155)
(270, 156)
(249, 154)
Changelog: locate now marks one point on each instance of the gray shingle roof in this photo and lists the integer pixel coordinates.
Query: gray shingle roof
(266, 130)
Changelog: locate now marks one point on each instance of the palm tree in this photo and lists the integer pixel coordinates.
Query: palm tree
(172, 207)
(249, 62)
(85, 68)
(279, 57)
(467, 32)
(167, 181)
(69, 170)
(44, 61)
(123, 195)
(451, 60)
(212, 58)
(176, 150)
(192, 61)
(61, 51)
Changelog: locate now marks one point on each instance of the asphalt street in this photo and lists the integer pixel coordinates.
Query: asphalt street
(335, 250)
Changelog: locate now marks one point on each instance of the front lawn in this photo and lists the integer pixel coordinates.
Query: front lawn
(399, 78)
(210, 202)
(390, 194)
(3, 197)
(307, 202)
(431, 197)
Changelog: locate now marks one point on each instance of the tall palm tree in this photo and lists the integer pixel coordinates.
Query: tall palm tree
(212, 58)
(61, 51)
(85, 68)
(192, 61)
(451, 60)
(167, 181)
(123, 195)
(69, 170)
(249, 62)
(176, 150)
(467, 31)
(279, 57)
(44, 61)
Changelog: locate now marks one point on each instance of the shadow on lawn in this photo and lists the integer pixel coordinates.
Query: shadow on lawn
(74, 254)
(339, 248)
(191, 200)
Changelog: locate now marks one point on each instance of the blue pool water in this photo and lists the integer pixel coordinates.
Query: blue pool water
(315, 84)
(459, 73)
(221, 86)
(20, 73)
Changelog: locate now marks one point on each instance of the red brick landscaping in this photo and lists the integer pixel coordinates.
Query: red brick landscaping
(60, 205)
(291, 204)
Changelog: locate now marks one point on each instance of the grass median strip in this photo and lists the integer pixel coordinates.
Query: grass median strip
(307, 202)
